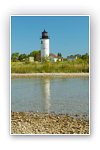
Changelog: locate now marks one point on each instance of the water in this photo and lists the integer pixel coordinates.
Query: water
(59, 95)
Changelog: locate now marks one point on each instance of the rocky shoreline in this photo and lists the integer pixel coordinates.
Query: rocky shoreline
(38, 123)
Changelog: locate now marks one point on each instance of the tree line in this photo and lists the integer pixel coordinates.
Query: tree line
(16, 57)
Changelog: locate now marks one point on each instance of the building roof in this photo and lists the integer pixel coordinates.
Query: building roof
(44, 35)
(53, 55)
(71, 57)
(39, 56)
(44, 31)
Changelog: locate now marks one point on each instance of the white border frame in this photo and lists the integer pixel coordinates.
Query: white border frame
(89, 78)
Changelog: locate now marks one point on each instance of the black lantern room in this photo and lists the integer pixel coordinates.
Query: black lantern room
(45, 35)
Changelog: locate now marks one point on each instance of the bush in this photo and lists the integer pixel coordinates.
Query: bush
(27, 61)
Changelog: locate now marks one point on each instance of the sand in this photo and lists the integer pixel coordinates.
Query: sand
(29, 75)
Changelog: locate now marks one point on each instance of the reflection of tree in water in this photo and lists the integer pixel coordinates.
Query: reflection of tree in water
(46, 95)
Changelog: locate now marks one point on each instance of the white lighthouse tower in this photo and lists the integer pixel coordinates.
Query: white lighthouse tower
(44, 45)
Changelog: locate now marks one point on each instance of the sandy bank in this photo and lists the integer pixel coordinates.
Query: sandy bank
(29, 75)
(37, 123)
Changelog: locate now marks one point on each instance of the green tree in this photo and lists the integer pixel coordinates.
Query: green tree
(59, 55)
(85, 58)
(36, 55)
(22, 57)
(15, 57)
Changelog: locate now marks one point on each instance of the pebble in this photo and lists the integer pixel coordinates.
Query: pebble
(28, 123)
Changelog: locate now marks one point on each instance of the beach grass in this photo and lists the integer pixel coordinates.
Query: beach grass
(49, 67)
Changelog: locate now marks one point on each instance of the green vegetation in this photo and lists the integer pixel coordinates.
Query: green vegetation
(46, 59)
(20, 64)
(36, 55)
(50, 67)
(59, 55)
(23, 57)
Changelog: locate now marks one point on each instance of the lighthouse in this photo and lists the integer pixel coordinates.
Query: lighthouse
(44, 45)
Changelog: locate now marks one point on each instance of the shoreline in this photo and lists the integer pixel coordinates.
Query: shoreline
(30, 75)
(39, 123)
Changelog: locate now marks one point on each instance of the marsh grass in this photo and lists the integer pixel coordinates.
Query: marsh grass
(49, 67)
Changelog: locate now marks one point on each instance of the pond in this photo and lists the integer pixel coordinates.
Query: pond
(59, 95)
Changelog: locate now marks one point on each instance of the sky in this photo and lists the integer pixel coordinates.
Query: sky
(69, 35)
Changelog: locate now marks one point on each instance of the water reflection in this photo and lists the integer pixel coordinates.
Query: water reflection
(46, 95)
(59, 95)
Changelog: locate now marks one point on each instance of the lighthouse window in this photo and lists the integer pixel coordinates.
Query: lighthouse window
(41, 42)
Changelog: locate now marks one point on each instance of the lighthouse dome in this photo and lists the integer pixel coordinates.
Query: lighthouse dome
(45, 35)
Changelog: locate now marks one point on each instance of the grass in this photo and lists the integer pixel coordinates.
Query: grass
(49, 67)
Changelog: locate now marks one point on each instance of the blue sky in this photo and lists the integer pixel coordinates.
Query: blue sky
(68, 34)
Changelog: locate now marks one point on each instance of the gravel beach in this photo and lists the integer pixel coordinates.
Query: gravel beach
(29, 75)
(37, 123)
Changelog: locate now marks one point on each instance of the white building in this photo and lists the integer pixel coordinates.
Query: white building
(45, 48)
(44, 45)
(31, 59)
(53, 57)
